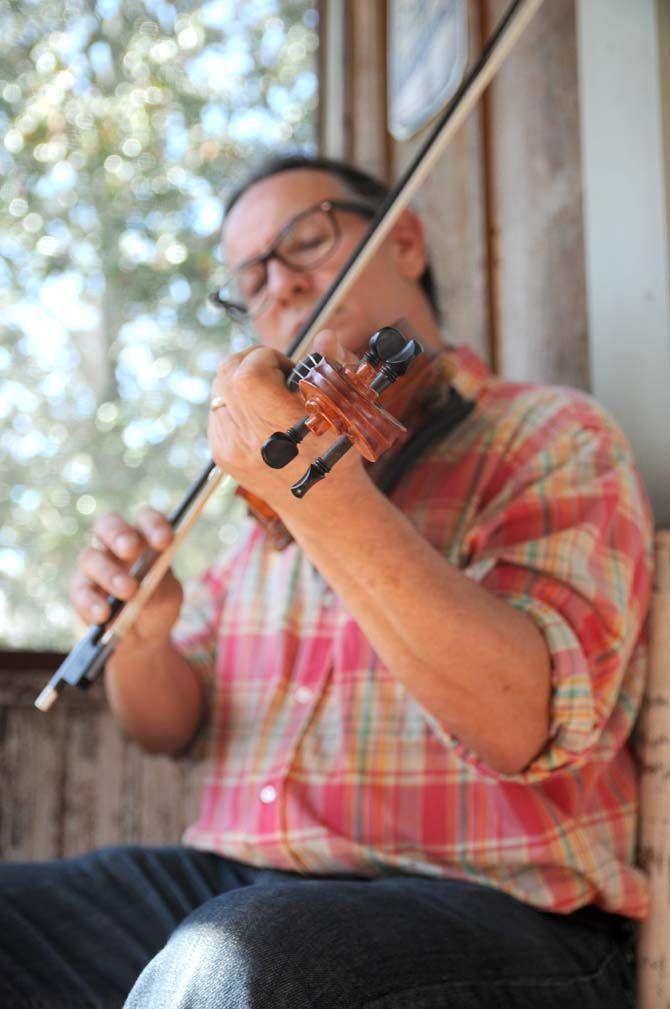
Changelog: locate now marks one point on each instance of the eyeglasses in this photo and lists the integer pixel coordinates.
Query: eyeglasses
(305, 242)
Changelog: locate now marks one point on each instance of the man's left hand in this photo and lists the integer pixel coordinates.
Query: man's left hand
(252, 384)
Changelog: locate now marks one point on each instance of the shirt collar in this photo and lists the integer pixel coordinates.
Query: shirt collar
(472, 374)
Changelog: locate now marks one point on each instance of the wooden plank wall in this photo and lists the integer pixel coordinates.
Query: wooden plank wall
(71, 782)
(504, 206)
(536, 222)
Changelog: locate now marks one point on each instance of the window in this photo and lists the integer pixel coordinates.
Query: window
(123, 122)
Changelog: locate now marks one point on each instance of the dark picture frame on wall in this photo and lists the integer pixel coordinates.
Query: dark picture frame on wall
(427, 56)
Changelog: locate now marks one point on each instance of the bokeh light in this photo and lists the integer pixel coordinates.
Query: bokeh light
(122, 125)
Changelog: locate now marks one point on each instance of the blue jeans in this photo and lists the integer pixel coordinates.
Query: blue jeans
(173, 928)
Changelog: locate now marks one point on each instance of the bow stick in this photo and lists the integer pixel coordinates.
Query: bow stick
(88, 658)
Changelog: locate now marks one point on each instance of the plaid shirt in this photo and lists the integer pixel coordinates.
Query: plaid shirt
(321, 762)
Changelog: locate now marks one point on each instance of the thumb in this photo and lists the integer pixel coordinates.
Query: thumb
(326, 342)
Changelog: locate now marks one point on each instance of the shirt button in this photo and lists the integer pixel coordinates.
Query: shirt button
(304, 695)
(268, 794)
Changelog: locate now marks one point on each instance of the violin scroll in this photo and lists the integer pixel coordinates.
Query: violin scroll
(346, 401)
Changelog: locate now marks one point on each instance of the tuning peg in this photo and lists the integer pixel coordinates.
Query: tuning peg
(384, 344)
(282, 446)
(321, 466)
(394, 367)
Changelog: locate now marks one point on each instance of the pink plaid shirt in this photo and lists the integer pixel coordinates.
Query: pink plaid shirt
(320, 761)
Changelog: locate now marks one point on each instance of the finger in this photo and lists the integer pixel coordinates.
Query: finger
(118, 536)
(265, 365)
(89, 602)
(269, 356)
(258, 381)
(106, 572)
(155, 527)
(230, 364)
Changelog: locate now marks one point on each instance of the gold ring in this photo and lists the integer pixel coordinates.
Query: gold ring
(217, 403)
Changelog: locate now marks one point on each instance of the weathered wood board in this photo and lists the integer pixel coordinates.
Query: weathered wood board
(71, 782)
(654, 835)
(535, 223)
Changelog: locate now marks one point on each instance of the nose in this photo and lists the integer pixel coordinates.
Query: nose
(285, 283)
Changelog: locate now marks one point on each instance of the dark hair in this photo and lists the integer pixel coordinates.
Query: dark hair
(356, 181)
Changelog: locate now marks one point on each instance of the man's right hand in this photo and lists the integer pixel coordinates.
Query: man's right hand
(102, 570)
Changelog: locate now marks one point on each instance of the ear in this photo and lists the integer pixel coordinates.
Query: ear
(408, 243)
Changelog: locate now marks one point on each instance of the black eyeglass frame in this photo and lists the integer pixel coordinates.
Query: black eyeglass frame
(238, 311)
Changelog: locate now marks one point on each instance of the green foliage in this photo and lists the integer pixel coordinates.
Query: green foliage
(122, 125)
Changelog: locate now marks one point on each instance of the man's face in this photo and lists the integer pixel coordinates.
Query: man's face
(382, 294)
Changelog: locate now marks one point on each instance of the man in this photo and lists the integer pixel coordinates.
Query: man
(418, 791)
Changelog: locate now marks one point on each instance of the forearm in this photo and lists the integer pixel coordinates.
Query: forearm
(476, 663)
(156, 696)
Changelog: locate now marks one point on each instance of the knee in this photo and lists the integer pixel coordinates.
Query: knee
(254, 939)
(247, 949)
(200, 967)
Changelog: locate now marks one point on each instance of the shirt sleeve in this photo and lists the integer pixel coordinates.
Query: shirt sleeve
(568, 539)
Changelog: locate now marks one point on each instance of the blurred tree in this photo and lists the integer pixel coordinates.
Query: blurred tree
(123, 122)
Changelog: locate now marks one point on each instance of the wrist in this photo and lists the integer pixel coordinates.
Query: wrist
(135, 649)
(334, 500)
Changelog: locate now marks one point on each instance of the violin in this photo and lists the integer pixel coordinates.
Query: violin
(335, 397)
(365, 408)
